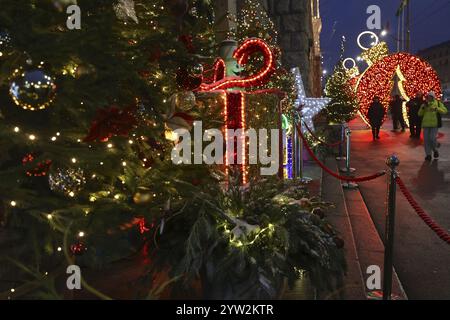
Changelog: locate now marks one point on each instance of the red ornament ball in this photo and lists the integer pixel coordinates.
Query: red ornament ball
(41, 169)
(78, 248)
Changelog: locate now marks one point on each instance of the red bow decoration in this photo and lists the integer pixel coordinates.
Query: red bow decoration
(111, 122)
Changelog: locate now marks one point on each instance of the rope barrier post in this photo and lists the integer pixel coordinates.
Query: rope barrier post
(393, 163)
(301, 177)
(341, 150)
(348, 170)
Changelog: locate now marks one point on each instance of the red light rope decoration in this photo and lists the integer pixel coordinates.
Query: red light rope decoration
(242, 54)
(234, 113)
(330, 172)
(219, 70)
(414, 75)
(440, 232)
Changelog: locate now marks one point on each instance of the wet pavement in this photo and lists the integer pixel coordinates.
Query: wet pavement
(421, 259)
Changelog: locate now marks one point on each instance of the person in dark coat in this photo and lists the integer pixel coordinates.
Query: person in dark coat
(415, 122)
(396, 107)
(376, 115)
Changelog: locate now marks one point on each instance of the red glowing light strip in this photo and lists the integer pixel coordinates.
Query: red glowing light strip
(225, 98)
(219, 70)
(242, 55)
(242, 125)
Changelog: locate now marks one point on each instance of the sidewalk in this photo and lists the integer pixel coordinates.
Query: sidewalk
(421, 259)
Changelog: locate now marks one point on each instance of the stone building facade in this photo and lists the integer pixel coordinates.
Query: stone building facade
(299, 26)
(439, 57)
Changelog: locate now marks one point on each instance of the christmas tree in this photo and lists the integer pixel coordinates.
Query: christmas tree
(344, 103)
(87, 120)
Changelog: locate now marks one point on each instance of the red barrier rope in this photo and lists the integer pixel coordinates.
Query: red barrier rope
(330, 172)
(332, 145)
(441, 233)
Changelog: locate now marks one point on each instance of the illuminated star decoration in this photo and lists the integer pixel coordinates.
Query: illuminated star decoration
(309, 107)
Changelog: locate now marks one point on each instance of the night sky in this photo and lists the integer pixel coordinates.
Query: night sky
(430, 21)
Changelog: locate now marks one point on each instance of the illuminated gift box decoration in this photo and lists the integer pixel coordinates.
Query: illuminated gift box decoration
(258, 109)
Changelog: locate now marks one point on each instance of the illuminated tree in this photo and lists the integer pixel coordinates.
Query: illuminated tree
(344, 104)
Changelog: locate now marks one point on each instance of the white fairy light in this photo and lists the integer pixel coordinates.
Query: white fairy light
(309, 107)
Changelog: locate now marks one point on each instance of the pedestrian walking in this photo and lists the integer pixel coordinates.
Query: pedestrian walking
(396, 107)
(376, 115)
(430, 111)
(415, 121)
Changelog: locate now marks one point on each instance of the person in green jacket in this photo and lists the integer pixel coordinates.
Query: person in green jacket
(429, 113)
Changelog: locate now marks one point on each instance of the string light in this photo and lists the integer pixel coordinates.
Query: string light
(16, 129)
(414, 74)
(308, 107)
(235, 100)
(32, 137)
(81, 234)
(242, 55)
(13, 203)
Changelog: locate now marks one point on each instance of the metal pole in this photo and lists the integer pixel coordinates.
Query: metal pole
(348, 150)
(348, 170)
(301, 176)
(398, 32)
(392, 162)
(341, 151)
(408, 24)
(295, 146)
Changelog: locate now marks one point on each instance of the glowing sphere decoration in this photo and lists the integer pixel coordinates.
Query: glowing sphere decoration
(415, 75)
(32, 89)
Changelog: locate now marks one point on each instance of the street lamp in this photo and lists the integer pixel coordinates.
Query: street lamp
(384, 33)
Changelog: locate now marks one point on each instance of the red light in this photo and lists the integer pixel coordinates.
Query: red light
(414, 75)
